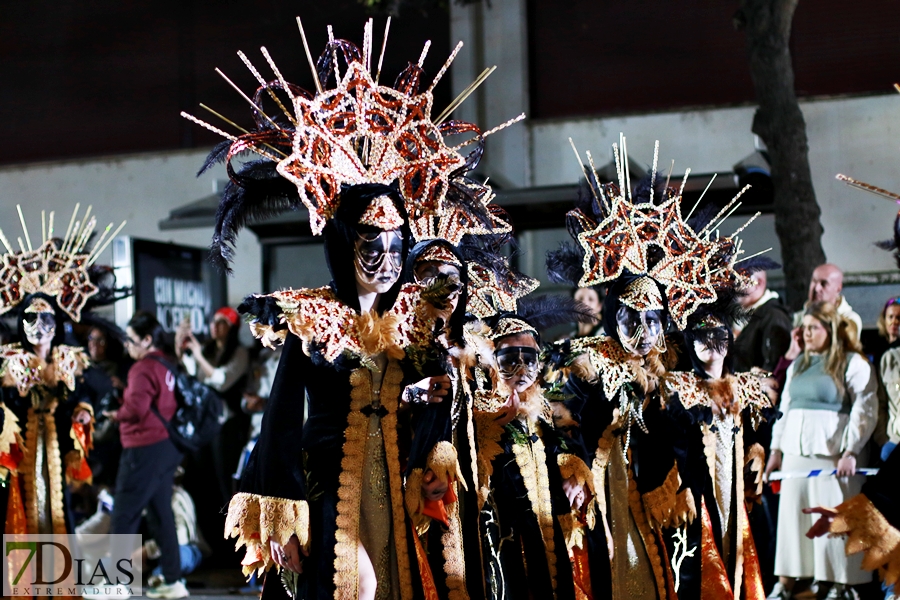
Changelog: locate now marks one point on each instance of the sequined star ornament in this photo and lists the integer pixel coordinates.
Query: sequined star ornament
(62, 268)
(494, 286)
(355, 130)
(648, 237)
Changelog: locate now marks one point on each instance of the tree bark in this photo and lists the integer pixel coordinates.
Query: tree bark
(780, 124)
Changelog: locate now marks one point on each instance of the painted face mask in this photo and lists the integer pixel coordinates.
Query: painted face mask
(639, 331)
(518, 360)
(39, 322)
(379, 257)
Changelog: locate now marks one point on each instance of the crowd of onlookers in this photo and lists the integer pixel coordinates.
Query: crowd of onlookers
(141, 481)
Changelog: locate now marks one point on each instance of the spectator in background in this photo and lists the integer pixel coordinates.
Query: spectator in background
(826, 285)
(108, 355)
(760, 344)
(767, 334)
(830, 411)
(222, 363)
(149, 458)
(889, 322)
(592, 297)
(254, 403)
(889, 327)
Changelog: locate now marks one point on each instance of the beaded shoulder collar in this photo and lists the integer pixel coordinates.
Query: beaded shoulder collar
(319, 318)
(24, 370)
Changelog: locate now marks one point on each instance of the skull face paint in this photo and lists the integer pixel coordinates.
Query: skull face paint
(639, 331)
(39, 323)
(517, 361)
(379, 257)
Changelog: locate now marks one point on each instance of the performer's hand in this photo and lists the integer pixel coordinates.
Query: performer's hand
(575, 492)
(112, 415)
(290, 556)
(846, 466)
(432, 487)
(509, 410)
(821, 526)
(774, 464)
(435, 389)
(796, 347)
(81, 416)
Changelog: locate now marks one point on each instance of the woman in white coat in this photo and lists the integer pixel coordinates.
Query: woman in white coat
(830, 411)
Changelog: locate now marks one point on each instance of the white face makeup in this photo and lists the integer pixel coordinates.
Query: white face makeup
(638, 331)
(40, 327)
(379, 258)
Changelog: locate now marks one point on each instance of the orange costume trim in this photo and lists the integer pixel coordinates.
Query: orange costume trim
(869, 532)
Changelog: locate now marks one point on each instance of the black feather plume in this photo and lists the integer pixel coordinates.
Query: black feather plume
(218, 155)
(256, 192)
(543, 312)
(702, 217)
(564, 265)
(262, 309)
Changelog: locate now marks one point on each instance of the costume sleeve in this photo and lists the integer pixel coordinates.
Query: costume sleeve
(784, 406)
(871, 522)
(271, 504)
(861, 388)
(890, 375)
(756, 427)
(668, 500)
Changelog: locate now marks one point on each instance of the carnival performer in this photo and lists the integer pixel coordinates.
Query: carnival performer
(870, 521)
(322, 496)
(658, 269)
(719, 416)
(42, 377)
(530, 480)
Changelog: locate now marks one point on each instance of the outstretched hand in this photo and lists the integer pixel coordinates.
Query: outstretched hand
(823, 525)
(509, 410)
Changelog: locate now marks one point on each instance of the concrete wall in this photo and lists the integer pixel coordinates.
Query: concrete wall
(141, 189)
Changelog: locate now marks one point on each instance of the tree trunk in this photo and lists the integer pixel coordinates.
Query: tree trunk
(779, 122)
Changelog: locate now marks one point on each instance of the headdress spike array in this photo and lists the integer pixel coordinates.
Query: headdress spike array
(57, 268)
(379, 134)
(691, 268)
(312, 65)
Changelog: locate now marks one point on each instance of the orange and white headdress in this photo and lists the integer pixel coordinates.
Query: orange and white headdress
(62, 268)
(649, 238)
(354, 130)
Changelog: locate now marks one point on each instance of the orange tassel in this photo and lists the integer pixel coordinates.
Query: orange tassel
(428, 587)
(15, 509)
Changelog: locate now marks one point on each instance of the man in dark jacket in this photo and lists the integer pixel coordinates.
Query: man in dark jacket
(767, 335)
(761, 343)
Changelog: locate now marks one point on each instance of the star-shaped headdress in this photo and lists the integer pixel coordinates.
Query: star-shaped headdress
(62, 268)
(651, 238)
(355, 130)
(494, 285)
